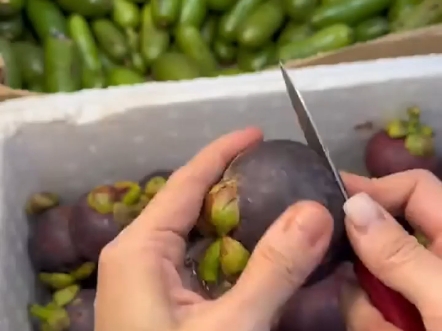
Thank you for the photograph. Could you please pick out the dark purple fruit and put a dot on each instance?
(101, 214)
(154, 181)
(257, 187)
(402, 145)
(81, 311)
(50, 246)
(314, 308)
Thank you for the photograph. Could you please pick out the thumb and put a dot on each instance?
(284, 257)
(391, 254)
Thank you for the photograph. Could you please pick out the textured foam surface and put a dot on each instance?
(68, 143)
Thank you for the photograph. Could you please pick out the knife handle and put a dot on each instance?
(392, 305)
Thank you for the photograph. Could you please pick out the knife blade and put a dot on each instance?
(391, 304)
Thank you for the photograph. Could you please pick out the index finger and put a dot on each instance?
(176, 207)
(417, 194)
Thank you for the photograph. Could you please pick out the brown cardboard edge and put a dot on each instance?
(417, 42)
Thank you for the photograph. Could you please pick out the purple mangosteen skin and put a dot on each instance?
(276, 174)
(315, 308)
(91, 230)
(385, 156)
(51, 248)
(81, 311)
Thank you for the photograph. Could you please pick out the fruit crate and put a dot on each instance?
(68, 143)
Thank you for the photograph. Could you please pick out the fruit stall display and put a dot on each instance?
(66, 238)
(68, 45)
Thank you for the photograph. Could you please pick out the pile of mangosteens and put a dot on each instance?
(66, 240)
(257, 186)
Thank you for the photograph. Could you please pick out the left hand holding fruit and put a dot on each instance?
(139, 288)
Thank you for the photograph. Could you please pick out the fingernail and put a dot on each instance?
(311, 221)
(362, 211)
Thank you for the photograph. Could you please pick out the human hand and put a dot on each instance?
(388, 251)
(139, 288)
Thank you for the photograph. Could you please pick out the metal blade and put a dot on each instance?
(308, 126)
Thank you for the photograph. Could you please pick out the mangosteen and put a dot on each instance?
(50, 246)
(40, 202)
(314, 308)
(256, 188)
(402, 145)
(154, 181)
(100, 215)
(71, 309)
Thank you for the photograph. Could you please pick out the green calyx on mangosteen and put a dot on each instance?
(40, 202)
(101, 214)
(418, 137)
(226, 256)
(256, 188)
(58, 280)
(154, 182)
(120, 199)
(50, 244)
(402, 145)
(84, 271)
(51, 317)
(72, 309)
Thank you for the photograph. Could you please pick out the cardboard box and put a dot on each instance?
(418, 42)
(67, 143)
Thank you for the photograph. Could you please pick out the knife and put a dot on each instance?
(392, 305)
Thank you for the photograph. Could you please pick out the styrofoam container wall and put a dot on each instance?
(69, 143)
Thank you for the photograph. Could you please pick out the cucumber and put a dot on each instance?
(325, 40)
(10, 71)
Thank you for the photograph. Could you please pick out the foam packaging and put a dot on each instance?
(67, 143)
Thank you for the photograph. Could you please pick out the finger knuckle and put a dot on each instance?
(423, 174)
(290, 271)
(398, 252)
(108, 255)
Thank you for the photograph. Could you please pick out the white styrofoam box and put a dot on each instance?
(68, 143)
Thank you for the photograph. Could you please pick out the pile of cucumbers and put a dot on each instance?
(67, 45)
